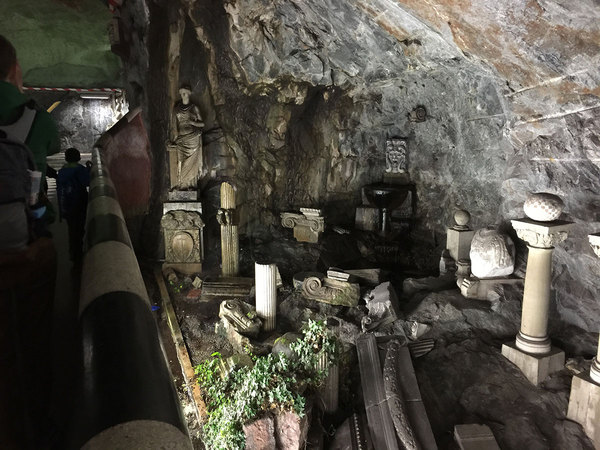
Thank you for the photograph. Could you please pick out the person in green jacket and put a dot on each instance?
(43, 138)
(27, 282)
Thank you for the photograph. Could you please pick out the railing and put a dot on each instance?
(127, 397)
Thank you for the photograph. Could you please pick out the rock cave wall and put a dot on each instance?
(299, 96)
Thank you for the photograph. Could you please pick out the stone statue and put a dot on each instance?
(187, 141)
(492, 254)
(395, 155)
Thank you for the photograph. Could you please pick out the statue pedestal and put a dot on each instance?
(584, 406)
(184, 240)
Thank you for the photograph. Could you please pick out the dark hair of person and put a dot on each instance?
(8, 57)
(72, 155)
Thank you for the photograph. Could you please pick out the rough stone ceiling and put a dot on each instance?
(548, 44)
(62, 43)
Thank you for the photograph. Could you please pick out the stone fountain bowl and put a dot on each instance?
(386, 196)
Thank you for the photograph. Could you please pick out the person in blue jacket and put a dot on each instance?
(72, 181)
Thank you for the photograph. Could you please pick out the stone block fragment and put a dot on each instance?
(241, 316)
(475, 437)
(291, 430)
(382, 303)
(260, 434)
(193, 294)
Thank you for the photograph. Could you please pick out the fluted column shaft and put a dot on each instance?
(230, 259)
(329, 391)
(266, 294)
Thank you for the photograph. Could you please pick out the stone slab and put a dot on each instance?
(475, 437)
(584, 406)
(381, 427)
(188, 196)
(227, 287)
(535, 367)
(370, 277)
(415, 408)
(185, 268)
(182, 206)
(458, 243)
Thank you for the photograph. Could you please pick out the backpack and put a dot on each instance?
(17, 169)
(16, 160)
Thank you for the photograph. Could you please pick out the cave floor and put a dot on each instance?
(464, 379)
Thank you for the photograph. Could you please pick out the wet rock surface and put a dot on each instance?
(299, 98)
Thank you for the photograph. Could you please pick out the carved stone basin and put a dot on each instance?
(386, 196)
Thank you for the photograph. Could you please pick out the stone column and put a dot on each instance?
(541, 237)
(329, 391)
(266, 294)
(595, 369)
(230, 258)
(532, 351)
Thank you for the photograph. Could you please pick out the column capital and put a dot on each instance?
(542, 234)
(595, 243)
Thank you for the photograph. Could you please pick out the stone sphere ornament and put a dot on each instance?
(492, 254)
(543, 207)
(461, 219)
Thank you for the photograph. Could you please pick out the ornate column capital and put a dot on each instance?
(542, 234)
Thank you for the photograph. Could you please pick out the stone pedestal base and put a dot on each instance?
(535, 367)
(584, 406)
(458, 243)
(185, 268)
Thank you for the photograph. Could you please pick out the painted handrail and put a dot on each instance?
(127, 397)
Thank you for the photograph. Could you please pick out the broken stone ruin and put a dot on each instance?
(416, 361)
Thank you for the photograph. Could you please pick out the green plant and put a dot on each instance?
(177, 286)
(275, 382)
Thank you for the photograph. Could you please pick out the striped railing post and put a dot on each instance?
(128, 399)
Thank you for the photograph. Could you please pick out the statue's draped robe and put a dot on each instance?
(189, 145)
